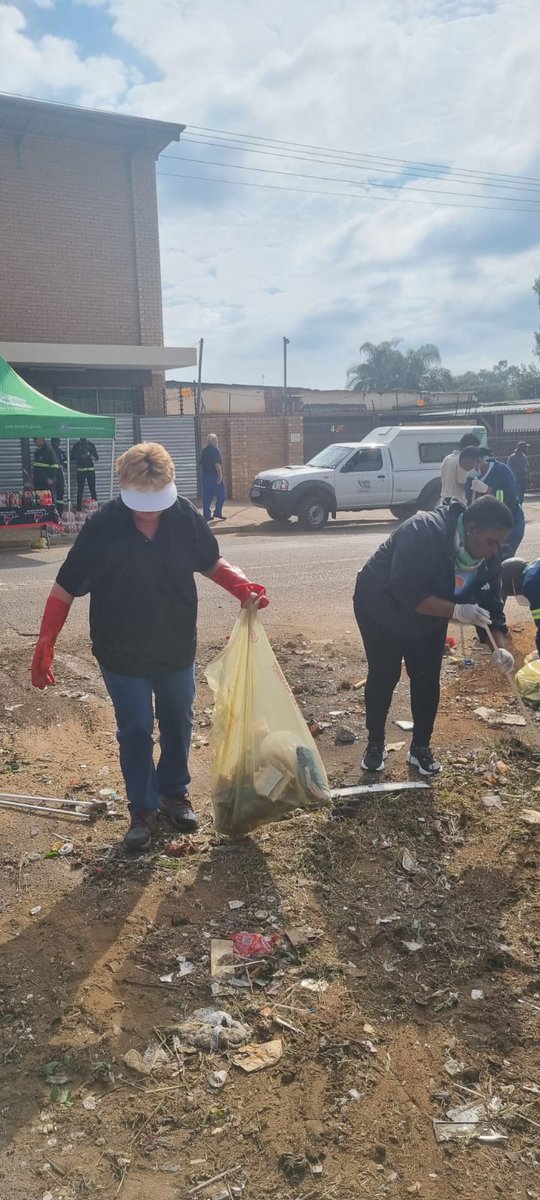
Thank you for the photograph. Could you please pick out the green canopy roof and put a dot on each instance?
(24, 412)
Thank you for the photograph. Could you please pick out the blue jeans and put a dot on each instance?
(133, 700)
(515, 537)
(210, 489)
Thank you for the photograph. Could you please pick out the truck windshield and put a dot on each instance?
(331, 456)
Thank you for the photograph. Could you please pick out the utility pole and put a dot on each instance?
(197, 406)
(285, 344)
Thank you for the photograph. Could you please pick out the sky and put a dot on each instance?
(447, 82)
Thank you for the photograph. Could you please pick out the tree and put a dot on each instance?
(381, 369)
(536, 288)
(386, 369)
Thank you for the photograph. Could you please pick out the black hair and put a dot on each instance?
(488, 513)
(469, 439)
(478, 451)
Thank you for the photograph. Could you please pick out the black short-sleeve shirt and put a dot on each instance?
(143, 598)
(210, 458)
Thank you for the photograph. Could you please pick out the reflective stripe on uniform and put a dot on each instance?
(47, 466)
(499, 495)
(87, 469)
(535, 612)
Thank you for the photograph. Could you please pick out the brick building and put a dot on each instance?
(81, 314)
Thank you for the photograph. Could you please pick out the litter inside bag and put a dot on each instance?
(266, 763)
(528, 681)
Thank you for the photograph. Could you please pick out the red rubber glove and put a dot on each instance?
(54, 618)
(235, 582)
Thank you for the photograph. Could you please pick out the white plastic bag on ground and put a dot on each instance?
(266, 763)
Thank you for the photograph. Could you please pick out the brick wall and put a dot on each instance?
(79, 237)
(252, 443)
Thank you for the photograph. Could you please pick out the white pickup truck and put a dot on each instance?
(396, 467)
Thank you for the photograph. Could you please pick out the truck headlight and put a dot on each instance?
(280, 485)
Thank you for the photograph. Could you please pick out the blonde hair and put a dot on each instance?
(148, 467)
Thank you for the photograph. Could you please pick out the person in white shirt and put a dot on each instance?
(452, 475)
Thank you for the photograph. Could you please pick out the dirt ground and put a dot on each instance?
(419, 933)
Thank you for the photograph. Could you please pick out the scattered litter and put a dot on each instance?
(336, 712)
(354, 1094)
(388, 920)
(492, 800)
(184, 968)
(66, 849)
(453, 1067)
(319, 986)
(221, 958)
(89, 1103)
(360, 684)
(412, 947)
(234, 904)
(469, 1114)
(495, 719)
(408, 861)
(135, 1061)
(477, 994)
(166, 978)
(181, 848)
(34, 912)
(391, 746)
(12, 707)
(300, 935)
(364, 789)
(212, 1029)
(345, 736)
(255, 1058)
(407, 725)
(494, 1139)
(253, 945)
(218, 1079)
(531, 816)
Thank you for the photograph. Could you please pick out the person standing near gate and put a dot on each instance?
(519, 466)
(61, 459)
(491, 477)
(85, 455)
(45, 469)
(213, 485)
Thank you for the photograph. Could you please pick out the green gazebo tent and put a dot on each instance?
(25, 412)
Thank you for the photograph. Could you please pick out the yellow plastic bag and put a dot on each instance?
(266, 763)
(528, 680)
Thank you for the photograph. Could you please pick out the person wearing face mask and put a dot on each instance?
(137, 558)
(436, 567)
(522, 580)
(489, 477)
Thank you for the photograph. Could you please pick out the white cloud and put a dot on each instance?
(55, 68)
(453, 81)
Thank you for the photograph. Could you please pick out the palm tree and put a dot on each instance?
(417, 365)
(381, 370)
(387, 369)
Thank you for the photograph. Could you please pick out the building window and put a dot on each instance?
(104, 401)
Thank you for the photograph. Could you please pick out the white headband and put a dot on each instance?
(150, 501)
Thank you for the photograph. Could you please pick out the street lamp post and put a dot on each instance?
(285, 344)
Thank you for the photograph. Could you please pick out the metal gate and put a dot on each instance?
(177, 434)
(11, 469)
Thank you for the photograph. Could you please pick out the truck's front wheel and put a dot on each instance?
(313, 513)
(274, 515)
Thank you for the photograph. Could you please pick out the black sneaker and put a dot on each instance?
(421, 757)
(374, 756)
(139, 834)
(179, 811)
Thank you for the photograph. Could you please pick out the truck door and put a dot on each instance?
(364, 480)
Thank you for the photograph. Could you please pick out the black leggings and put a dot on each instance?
(385, 652)
(82, 477)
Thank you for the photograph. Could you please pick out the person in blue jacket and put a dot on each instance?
(494, 478)
(522, 580)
